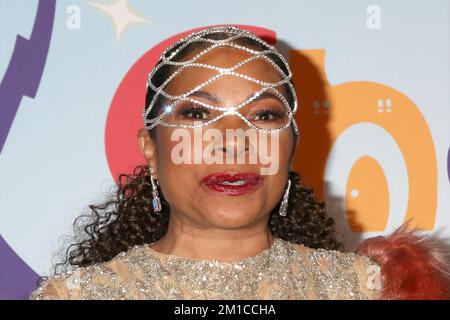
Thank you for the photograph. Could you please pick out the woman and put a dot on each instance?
(225, 219)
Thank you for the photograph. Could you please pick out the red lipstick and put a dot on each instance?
(233, 184)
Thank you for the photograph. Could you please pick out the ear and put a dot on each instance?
(148, 149)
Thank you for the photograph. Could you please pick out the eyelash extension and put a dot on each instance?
(193, 108)
(276, 114)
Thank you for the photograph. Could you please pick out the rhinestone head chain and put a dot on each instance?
(201, 36)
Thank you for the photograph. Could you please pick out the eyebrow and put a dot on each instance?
(214, 98)
(207, 95)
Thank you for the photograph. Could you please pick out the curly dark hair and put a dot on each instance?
(127, 218)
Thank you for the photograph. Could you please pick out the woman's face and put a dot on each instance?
(212, 195)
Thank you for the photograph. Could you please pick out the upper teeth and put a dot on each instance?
(234, 183)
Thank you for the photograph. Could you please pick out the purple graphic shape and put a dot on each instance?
(448, 164)
(22, 78)
(25, 68)
(17, 280)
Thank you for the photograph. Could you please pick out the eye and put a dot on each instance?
(194, 111)
(268, 115)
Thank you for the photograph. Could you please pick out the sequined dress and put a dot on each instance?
(283, 271)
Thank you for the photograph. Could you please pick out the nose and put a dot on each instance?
(237, 142)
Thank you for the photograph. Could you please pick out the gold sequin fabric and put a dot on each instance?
(283, 271)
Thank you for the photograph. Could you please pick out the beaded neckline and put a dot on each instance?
(266, 252)
(278, 272)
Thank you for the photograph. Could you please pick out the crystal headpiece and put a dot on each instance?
(168, 58)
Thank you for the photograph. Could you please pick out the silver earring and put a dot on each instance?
(284, 202)
(156, 202)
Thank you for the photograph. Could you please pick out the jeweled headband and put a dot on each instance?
(167, 59)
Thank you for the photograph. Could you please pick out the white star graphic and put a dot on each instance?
(120, 14)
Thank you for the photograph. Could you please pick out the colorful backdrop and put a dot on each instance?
(372, 77)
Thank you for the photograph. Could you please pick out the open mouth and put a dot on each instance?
(233, 184)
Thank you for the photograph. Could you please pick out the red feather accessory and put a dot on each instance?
(413, 266)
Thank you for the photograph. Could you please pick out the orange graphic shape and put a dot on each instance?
(326, 111)
(368, 196)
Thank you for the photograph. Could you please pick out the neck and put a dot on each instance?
(186, 240)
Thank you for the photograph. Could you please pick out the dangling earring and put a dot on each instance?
(156, 202)
(284, 202)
